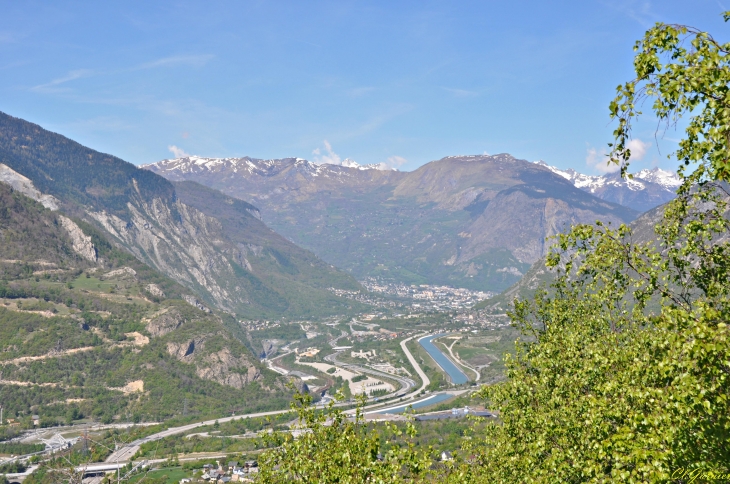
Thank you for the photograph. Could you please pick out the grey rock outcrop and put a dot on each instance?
(25, 186)
(80, 242)
(224, 368)
(185, 245)
(155, 290)
(165, 323)
(193, 301)
(121, 273)
(185, 351)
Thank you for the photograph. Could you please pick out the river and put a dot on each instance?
(455, 374)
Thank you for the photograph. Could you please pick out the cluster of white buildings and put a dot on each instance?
(428, 296)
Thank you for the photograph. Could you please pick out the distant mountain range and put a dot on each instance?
(469, 221)
(647, 189)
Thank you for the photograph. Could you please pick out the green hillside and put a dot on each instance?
(110, 338)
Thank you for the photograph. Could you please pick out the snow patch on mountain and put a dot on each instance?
(667, 179)
(199, 164)
(591, 183)
(350, 163)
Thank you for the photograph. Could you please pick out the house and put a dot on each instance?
(36, 420)
(185, 480)
(211, 475)
(446, 455)
(232, 465)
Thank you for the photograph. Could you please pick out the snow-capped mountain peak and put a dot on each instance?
(350, 163)
(665, 178)
(647, 189)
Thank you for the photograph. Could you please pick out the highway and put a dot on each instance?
(424, 379)
(125, 453)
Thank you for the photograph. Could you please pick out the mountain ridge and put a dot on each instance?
(439, 224)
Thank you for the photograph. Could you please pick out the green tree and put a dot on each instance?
(626, 377)
(333, 448)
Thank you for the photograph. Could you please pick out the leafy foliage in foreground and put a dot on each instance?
(332, 448)
(610, 390)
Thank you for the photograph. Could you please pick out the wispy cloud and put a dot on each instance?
(328, 156)
(598, 161)
(360, 91)
(56, 84)
(176, 60)
(178, 152)
(395, 161)
(460, 92)
(638, 149)
(375, 122)
(639, 11)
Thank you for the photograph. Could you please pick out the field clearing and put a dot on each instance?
(173, 475)
(94, 284)
(368, 385)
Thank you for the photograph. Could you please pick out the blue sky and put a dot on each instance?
(397, 82)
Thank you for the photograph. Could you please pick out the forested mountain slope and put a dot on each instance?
(143, 214)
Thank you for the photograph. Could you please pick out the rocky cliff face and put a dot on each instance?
(80, 302)
(224, 368)
(525, 218)
(81, 243)
(164, 322)
(194, 340)
(182, 243)
(221, 366)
